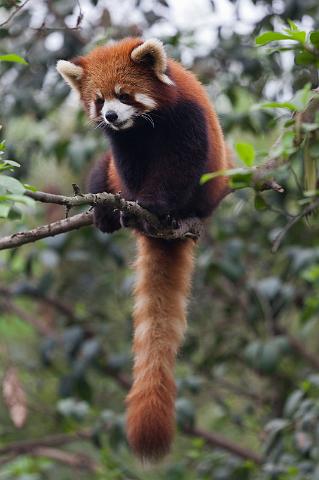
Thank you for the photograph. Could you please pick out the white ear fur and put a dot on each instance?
(153, 48)
(71, 73)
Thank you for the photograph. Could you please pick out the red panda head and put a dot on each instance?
(121, 82)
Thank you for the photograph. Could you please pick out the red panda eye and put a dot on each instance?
(99, 102)
(124, 97)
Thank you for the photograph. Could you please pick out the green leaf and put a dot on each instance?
(314, 38)
(241, 180)
(12, 185)
(12, 163)
(268, 37)
(17, 198)
(14, 213)
(288, 105)
(8, 164)
(246, 153)
(260, 203)
(293, 403)
(299, 36)
(302, 97)
(224, 173)
(305, 58)
(29, 187)
(292, 25)
(13, 57)
(4, 210)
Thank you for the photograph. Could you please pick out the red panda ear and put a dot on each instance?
(152, 53)
(72, 72)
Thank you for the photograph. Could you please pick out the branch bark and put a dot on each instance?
(44, 231)
(218, 441)
(139, 218)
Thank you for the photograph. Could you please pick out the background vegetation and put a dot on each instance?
(248, 379)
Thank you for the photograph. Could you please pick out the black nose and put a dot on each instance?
(111, 116)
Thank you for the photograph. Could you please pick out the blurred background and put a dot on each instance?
(247, 374)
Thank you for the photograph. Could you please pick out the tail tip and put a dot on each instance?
(150, 439)
(150, 447)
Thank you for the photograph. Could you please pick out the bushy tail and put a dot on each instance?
(163, 279)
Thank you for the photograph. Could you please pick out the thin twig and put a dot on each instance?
(8, 305)
(13, 14)
(44, 298)
(278, 240)
(79, 461)
(26, 446)
(44, 231)
(218, 441)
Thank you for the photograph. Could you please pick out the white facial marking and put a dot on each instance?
(124, 114)
(165, 79)
(145, 100)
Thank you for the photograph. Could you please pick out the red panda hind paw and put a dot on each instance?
(106, 220)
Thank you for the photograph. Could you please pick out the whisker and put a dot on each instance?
(148, 118)
(100, 124)
(92, 121)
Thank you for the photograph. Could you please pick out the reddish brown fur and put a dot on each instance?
(111, 65)
(162, 286)
(163, 268)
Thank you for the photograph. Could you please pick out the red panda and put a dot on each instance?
(164, 135)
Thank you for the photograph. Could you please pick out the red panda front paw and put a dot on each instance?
(105, 219)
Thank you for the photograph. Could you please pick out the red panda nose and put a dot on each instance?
(111, 116)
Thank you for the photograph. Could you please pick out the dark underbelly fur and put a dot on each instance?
(160, 166)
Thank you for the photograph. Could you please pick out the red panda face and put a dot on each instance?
(119, 110)
(121, 82)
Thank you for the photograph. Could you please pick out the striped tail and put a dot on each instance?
(163, 280)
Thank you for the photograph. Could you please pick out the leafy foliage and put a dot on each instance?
(248, 367)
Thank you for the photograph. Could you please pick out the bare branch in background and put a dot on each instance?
(218, 441)
(80, 461)
(8, 305)
(50, 447)
(13, 14)
(309, 209)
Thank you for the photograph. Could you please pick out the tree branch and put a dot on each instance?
(15, 11)
(28, 291)
(218, 441)
(7, 304)
(80, 461)
(26, 446)
(44, 231)
(139, 218)
(309, 209)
